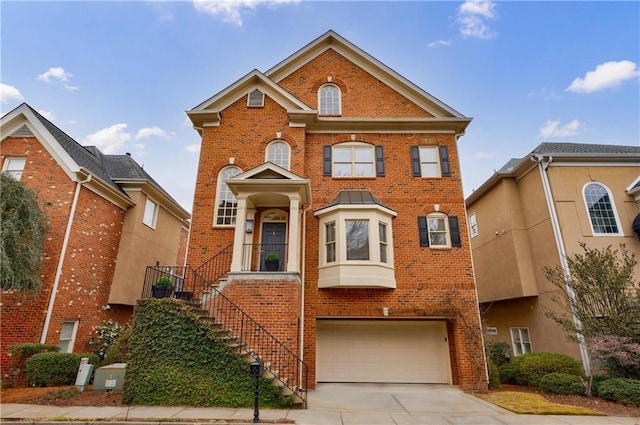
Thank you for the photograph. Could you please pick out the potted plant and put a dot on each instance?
(272, 262)
(163, 287)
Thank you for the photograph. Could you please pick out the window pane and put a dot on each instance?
(14, 167)
(364, 154)
(382, 230)
(357, 239)
(436, 224)
(342, 170)
(150, 213)
(329, 100)
(438, 239)
(364, 170)
(429, 154)
(429, 170)
(278, 153)
(342, 154)
(227, 203)
(600, 209)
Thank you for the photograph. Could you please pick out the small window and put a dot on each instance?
(14, 167)
(602, 213)
(330, 242)
(357, 232)
(439, 231)
(150, 213)
(227, 206)
(382, 231)
(278, 153)
(255, 99)
(68, 336)
(329, 100)
(430, 161)
(521, 341)
(473, 224)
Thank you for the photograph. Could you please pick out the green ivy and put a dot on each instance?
(178, 360)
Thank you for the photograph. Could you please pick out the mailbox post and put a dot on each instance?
(256, 371)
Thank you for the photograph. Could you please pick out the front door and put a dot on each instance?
(273, 247)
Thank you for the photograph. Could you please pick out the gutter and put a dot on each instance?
(303, 269)
(555, 224)
(63, 252)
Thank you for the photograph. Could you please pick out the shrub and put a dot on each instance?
(509, 373)
(105, 335)
(494, 374)
(48, 369)
(621, 390)
(533, 366)
(497, 351)
(562, 383)
(20, 354)
(120, 350)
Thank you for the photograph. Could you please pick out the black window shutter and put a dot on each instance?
(415, 162)
(379, 161)
(423, 231)
(444, 161)
(326, 161)
(454, 229)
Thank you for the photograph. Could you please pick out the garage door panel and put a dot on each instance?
(382, 351)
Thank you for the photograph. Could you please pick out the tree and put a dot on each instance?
(22, 228)
(603, 296)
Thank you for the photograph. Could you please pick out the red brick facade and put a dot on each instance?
(430, 283)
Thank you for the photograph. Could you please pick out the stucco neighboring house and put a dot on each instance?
(534, 212)
(108, 219)
(347, 175)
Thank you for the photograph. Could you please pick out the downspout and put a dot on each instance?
(302, 279)
(63, 251)
(555, 224)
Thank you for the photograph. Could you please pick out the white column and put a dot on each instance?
(294, 235)
(238, 238)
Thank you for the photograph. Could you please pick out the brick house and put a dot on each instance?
(346, 175)
(108, 219)
(534, 212)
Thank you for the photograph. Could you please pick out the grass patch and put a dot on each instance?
(62, 394)
(534, 404)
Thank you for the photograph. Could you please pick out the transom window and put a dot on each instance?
(150, 213)
(353, 160)
(278, 153)
(14, 167)
(521, 341)
(227, 204)
(329, 100)
(601, 210)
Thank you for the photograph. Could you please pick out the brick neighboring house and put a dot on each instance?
(108, 219)
(349, 174)
(534, 212)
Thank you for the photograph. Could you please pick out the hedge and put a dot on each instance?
(562, 383)
(494, 374)
(533, 366)
(621, 390)
(48, 369)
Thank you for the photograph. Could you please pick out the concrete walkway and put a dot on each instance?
(329, 404)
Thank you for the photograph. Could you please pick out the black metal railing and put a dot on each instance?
(264, 257)
(217, 266)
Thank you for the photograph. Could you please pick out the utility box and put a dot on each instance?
(84, 374)
(110, 377)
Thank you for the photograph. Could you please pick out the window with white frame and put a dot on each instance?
(357, 238)
(473, 224)
(278, 153)
(429, 165)
(14, 166)
(353, 160)
(150, 217)
(601, 209)
(330, 242)
(382, 231)
(227, 204)
(68, 336)
(329, 102)
(255, 99)
(437, 230)
(521, 341)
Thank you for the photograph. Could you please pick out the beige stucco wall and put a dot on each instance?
(142, 246)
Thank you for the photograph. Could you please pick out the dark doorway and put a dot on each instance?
(272, 255)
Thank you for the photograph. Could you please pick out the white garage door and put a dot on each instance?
(382, 351)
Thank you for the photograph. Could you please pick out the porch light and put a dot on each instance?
(248, 226)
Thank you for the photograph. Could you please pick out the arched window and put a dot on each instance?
(601, 209)
(278, 153)
(329, 100)
(226, 203)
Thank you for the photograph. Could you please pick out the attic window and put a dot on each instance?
(256, 99)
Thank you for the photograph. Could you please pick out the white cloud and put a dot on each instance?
(606, 75)
(231, 11)
(146, 132)
(554, 129)
(439, 43)
(109, 140)
(9, 93)
(193, 148)
(58, 75)
(483, 155)
(472, 15)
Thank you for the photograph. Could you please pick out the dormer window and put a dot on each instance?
(329, 102)
(255, 99)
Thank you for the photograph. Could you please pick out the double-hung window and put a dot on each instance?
(601, 209)
(438, 230)
(353, 159)
(430, 161)
(330, 242)
(227, 204)
(68, 336)
(382, 232)
(14, 166)
(150, 217)
(521, 341)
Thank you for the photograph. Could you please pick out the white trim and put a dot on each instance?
(320, 90)
(274, 142)
(521, 342)
(613, 206)
(154, 219)
(219, 183)
(353, 146)
(436, 149)
(71, 340)
(13, 171)
(447, 233)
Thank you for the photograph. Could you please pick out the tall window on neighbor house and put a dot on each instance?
(330, 242)
(329, 100)
(14, 167)
(150, 213)
(67, 336)
(357, 239)
(601, 209)
(382, 234)
(520, 340)
(278, 153)
(227, 204)
(473, 224)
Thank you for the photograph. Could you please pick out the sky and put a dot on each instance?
(121, 74)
